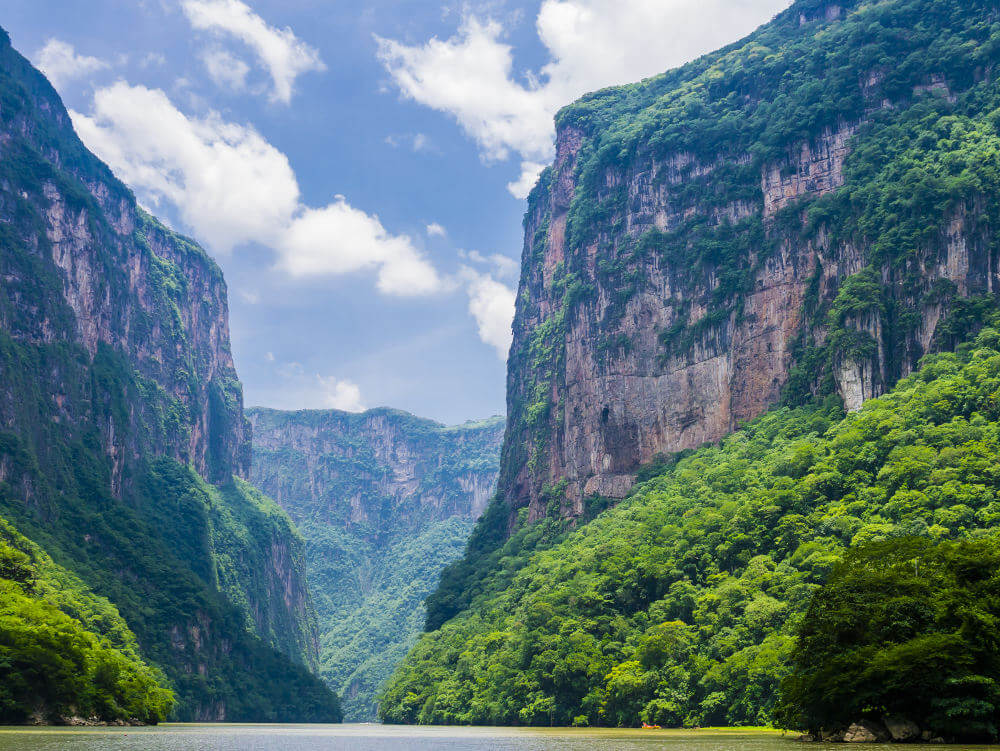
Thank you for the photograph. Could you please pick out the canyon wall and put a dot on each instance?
(123, 442)
(384, 500)
(684, 255)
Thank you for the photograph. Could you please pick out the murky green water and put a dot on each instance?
(389, 738)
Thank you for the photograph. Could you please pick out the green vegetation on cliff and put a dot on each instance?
(165, 556)
(680, 606)
(118, 404)
(65, 651)
(369, 601)
(669, 206)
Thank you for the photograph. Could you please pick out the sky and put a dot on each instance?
(358, 168)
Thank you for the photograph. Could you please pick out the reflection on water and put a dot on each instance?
(391, 738)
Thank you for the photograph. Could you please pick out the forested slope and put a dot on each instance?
(680, 605)
(792, 215)
(803, 214)
(787, 227)
(64, 651)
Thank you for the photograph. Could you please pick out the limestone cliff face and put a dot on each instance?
(672, 283)
(373, 473)
(125, 282)
(122, 434)
(385, 501)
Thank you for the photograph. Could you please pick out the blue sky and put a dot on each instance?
(358, 169)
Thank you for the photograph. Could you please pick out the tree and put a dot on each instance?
(903, 628)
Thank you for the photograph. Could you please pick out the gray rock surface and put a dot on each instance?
(866, 731)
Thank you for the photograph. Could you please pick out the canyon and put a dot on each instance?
(384, 501)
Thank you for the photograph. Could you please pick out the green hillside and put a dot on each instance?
(899, 253)
(384, 500)
(679, 606)
(65, 651)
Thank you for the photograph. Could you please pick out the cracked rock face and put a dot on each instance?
(130, 286)
(596, 386)
(374, 472)
(620, 407)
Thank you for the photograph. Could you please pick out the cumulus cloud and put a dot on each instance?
(471, 77)
(591, 44)
(521, 187)
(61, 64)
(230, 187)
(491, 304)
(228, 183)
(283, 54)
(337, 394)
(436, 230)
(304, 390)
(339, 239)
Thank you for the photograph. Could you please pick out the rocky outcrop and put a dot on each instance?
(668, 292)
(817, 169)
(866, 731)
(901, 729)
(124, 282)
(384, 500)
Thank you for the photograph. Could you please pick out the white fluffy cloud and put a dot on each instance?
(436, 230)
(230, 186)
(339, 239)
(591, 44)
(60, 63)
(491, 304)
(228, 183)
(471, 77)
(283, 54)
(302, 389)
(337, 394)
(521, 187)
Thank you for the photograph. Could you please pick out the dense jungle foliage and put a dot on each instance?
(64, 651)
(908, 80)
(369, 601)
(903, 628)
(164, 558)
(680, 606)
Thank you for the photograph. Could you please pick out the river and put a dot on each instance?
(183, 737)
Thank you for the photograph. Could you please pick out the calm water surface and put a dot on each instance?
(181, 737)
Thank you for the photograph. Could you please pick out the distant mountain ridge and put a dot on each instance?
(384, 500)
(123, 444)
